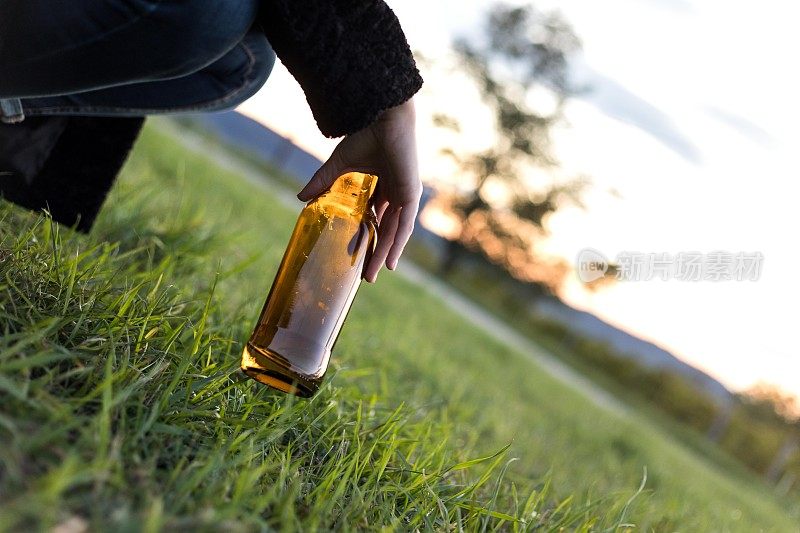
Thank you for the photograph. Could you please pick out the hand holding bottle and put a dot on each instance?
(387, 148)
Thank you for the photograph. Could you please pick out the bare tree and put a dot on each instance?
(524, 50)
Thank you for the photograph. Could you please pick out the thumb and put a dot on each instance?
(322, 179)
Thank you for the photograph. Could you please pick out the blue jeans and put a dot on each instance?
(129, 57)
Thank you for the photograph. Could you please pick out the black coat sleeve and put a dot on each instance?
(350, 57)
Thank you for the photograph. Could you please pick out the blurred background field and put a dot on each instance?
(123, 406)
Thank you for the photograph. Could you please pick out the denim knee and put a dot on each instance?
(250, 74)
(188, 36)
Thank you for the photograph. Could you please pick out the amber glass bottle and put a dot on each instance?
(314, 288)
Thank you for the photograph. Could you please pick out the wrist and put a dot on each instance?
(405, 111)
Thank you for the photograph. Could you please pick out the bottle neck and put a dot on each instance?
(350, 191)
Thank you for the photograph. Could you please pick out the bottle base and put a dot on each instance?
(264, 367)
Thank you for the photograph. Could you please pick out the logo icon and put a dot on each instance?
(591, 265)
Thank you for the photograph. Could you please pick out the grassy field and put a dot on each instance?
(123, 407)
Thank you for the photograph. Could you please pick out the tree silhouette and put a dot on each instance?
(523, 51)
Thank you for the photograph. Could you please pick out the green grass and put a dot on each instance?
(122, 406)
(601, 364)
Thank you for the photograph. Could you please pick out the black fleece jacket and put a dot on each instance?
(350, 57)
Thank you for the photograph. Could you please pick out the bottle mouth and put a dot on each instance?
(356, 184)
(350, 191)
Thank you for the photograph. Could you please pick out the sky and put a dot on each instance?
(690, 115)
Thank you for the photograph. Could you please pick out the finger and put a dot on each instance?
(405, 228)
(380, 209)
(386, 233)
(323, 178)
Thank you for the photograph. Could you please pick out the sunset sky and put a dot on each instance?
(692, 117)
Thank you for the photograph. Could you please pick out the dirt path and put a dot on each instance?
(458, 303)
